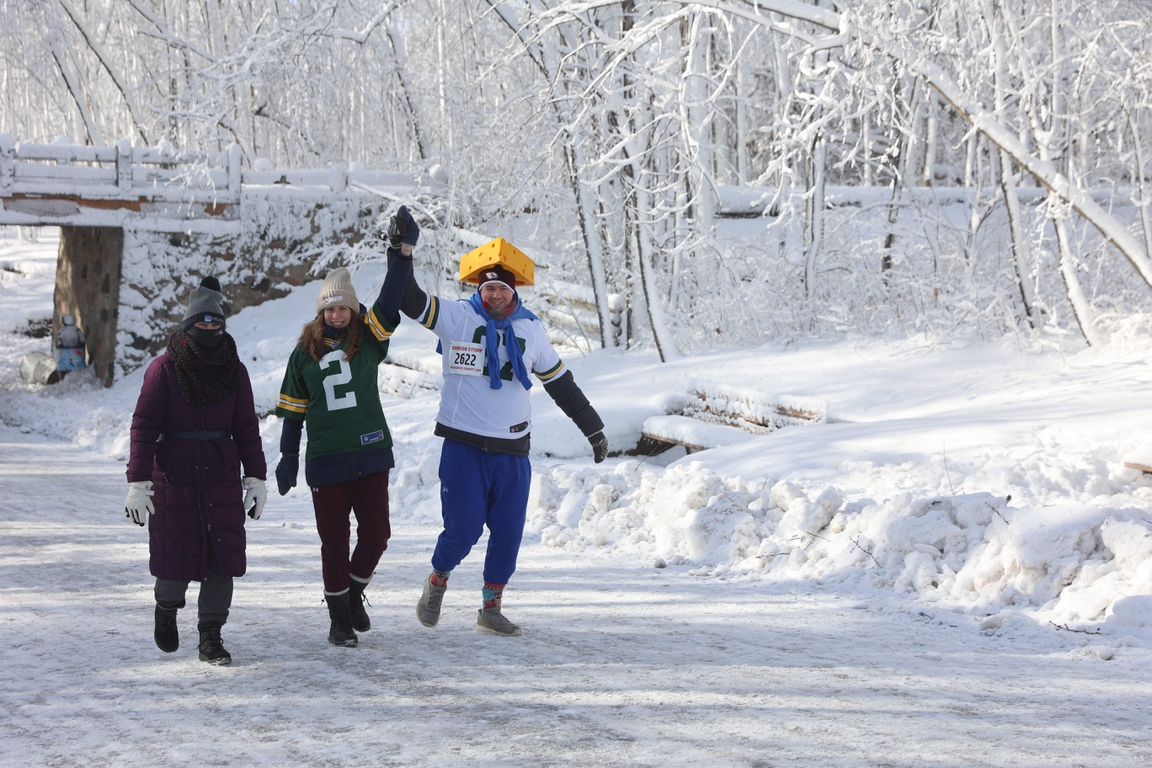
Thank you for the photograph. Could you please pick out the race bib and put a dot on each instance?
(466, 359)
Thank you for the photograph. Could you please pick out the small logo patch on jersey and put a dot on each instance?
(518, 427)
(372, 437)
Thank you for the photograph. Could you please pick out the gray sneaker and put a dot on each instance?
(494, 622)
(428, 609)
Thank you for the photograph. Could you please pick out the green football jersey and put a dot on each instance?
(339, 399)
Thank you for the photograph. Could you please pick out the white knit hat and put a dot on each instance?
(337, 291)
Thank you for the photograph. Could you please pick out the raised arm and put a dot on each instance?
(400, 291)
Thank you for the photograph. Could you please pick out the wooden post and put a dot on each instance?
(7, 160)
(339, 178)
(234, 155)
(124, 165)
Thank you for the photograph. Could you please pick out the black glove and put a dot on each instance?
(286, 472)
(599, 446)
(402, 229)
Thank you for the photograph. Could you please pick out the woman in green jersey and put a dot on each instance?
(330, 386)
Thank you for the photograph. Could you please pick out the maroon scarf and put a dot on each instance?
(205, 377)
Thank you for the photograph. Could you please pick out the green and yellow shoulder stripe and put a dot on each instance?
(293, 404)
(431, 313)
(552, 372)
(380, 327)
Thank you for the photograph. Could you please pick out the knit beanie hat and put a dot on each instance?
(337, 291)
(206, 304)
(496, 274)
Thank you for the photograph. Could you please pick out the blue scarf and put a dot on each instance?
(492, 340)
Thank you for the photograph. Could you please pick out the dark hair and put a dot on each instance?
(312, 337)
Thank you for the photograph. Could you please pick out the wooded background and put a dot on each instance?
(923, 168)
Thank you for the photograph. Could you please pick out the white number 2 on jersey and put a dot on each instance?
(331, 381)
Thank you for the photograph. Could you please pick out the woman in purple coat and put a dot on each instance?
(194, 425)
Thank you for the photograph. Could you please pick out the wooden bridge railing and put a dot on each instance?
(164, 174)
(119, 172)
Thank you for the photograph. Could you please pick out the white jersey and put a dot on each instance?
(467, 401)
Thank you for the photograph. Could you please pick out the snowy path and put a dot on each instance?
(621, 664)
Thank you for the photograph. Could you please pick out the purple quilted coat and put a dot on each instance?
(198, 493)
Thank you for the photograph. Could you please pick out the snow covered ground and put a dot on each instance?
(862, 592)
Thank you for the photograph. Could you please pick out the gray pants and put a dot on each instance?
(215, 593)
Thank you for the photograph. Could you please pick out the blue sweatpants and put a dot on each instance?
(478, 489)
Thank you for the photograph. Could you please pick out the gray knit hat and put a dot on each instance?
(337, 291)
(206, 304)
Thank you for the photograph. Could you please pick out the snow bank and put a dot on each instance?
(973, 552)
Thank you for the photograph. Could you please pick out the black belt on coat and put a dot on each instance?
(218, 434)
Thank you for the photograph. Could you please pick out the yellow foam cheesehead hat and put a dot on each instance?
(498, 251)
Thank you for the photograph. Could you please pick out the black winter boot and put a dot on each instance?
(211, 648)
(340, 611)
(360, 620)
(166, 635)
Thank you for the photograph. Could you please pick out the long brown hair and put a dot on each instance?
(312, 337)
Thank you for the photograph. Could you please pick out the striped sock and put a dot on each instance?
(493, 594)
(439, 578)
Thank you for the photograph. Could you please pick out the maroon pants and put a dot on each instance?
(368, 498)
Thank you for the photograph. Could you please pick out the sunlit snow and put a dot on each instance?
(955, 569)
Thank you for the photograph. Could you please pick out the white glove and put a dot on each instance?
(255, 494)
(138, 505)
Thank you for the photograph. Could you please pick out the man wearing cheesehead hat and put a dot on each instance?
(490, 343)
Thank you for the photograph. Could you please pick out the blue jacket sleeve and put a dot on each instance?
(392, 292)
(291, 430)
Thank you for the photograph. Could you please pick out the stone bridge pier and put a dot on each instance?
(88, 286)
